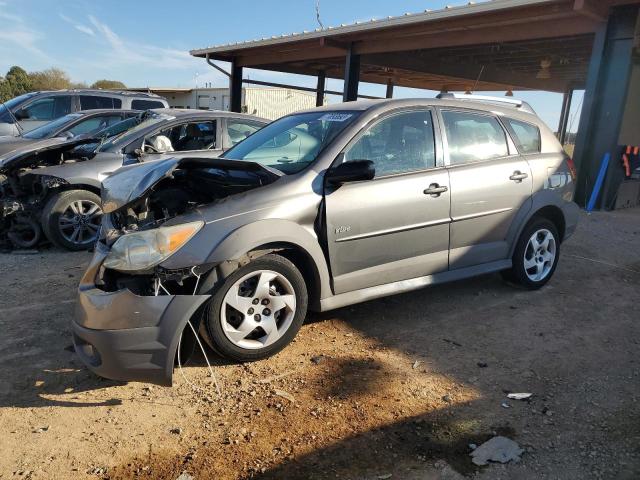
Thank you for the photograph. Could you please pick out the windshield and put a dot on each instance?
(118, 128)
(127, 135)
(292, 143)
(5, 115)
(49, 129)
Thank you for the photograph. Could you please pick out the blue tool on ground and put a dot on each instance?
(599, 181)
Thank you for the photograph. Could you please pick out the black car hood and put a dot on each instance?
(23, 155)
(134, 182)
(9, 144)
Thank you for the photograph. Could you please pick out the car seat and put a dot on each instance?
(193, 139)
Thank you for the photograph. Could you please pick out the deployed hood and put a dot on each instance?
(132, 183)
(28, 154)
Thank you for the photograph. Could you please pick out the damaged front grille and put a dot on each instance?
(185, 281)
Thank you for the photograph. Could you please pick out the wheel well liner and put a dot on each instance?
(302, 260)
(555, 215)
(80, 186)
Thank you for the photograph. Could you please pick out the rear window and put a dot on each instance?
(146, 104)
(526, 136)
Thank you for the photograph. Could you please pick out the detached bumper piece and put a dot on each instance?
(144, 353)
(123, 336)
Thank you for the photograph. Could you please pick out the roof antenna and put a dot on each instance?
(478, 79)
(318, 14)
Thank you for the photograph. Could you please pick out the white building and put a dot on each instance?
(268, 103)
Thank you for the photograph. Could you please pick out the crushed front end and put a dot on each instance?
(25, 188)
(132, 309)
(22, 197)
(127, 327)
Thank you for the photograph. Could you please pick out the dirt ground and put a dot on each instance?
(391, 389)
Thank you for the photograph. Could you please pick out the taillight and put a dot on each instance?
(572, 168)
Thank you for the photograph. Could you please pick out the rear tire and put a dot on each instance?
(71, 219)
(257, 311)
(536, 255)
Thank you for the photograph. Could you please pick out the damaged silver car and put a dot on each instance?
(53, 189)
(318, 210)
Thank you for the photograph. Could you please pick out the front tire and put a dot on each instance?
(536, 255)
(258, 309)
(71, 219)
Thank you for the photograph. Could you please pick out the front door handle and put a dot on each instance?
(518, 176)
(435, 190)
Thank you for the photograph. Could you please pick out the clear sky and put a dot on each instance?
(146, 43)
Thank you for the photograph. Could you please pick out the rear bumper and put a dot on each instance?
(571, 212)
(123, 336)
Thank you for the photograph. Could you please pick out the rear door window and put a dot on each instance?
(473, 137)
(526, 136)
(93, 102)
(146, 104)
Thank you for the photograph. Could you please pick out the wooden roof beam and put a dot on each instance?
(466, 71)
(576, 25)
(592, 9)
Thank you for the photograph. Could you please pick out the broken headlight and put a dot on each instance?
(143, 250)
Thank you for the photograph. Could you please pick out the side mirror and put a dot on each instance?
(352, 171)
(134, 149)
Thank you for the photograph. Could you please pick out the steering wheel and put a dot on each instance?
(146, 147)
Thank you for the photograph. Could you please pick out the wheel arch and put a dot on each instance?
(79, 186)
(284, 237)
(553, 214)
(303, 262)
(546, 205)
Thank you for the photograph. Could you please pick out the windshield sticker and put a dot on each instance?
(336, 117)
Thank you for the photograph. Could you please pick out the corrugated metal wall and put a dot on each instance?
(274, 103)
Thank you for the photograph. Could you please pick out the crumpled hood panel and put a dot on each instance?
(17, 158)
(133, 182)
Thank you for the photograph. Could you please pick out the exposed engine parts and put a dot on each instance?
(24, 193)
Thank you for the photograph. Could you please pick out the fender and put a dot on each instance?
(89, 172)
(541, 199)
(273, 231)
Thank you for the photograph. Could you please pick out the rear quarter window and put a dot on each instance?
(93, 102)
(146, 104)
(526, 136)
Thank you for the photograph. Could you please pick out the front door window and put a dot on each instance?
(401, 143)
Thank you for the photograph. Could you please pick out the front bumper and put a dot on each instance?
(123, 336)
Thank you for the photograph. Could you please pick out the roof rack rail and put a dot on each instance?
(520, 104)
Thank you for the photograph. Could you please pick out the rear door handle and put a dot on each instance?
(435, 190)
(518, 176)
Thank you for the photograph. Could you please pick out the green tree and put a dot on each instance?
(50, 79)
(16, 82)
(4, 90)
(108, 84)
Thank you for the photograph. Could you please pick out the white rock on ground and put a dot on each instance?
(498, 449)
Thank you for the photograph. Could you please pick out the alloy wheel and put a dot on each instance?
(80, 222)
(258, 309)
(540, 255)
